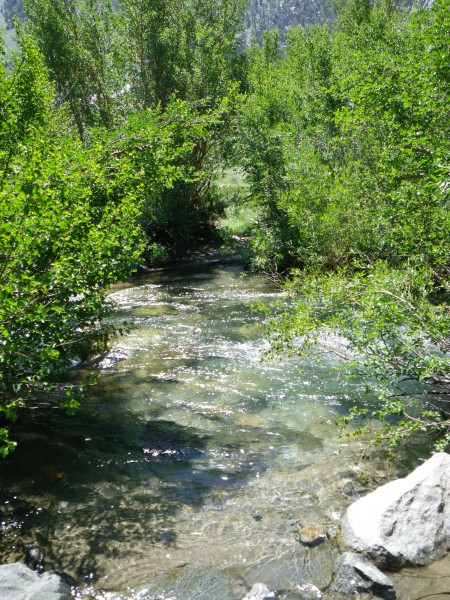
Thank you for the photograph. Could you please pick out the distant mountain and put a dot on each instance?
(282, 14)
(9, 35)
(11, 9)
(260, 15)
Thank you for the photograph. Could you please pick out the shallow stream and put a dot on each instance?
(192, 464)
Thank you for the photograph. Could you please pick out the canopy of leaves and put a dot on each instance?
(345, 138)
(110, 60)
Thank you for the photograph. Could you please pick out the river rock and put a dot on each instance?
(18, 582)
(405, 522)
(296, 565)
(354, 574)
(313, 534)
(260, 591)
(34, 556)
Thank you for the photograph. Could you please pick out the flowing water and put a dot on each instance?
(192, 464)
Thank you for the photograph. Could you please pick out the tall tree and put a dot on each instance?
(78, 40)
(137, 55)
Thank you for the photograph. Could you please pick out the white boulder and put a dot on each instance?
(18, 582)
(405, 522)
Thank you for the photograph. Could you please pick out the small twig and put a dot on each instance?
(408, 304)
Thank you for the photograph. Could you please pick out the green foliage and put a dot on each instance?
(392, 335)
(70, 224)
(187, 48)
(345, 144)
(25, 103)
(177, 215)
(80, 42)
(111, 62)
(108, 61)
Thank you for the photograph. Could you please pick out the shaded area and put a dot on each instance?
(114, 476)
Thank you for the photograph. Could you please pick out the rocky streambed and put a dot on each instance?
(193, 470)
(405, 523)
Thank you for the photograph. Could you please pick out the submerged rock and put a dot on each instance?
(305, 591)
(260, 591)
(18, 582)
(405, 522)
(313, 534)
(354, 574)
(185, 582)
(314, 565)
(34, 556)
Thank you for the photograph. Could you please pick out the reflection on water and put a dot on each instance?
(192, 464)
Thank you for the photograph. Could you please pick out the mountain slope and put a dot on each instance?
(9, 37)
(282, 14)
(9, 10)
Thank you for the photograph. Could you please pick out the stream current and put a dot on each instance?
(192, 464)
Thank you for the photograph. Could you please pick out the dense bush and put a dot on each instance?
(71, 216)
(345, 137)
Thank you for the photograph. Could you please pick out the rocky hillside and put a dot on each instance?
(8, 35)
(282, 14)
(10, 9)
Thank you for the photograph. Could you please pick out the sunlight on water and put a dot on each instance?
(192, 464)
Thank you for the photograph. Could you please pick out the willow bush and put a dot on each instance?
(345, 138)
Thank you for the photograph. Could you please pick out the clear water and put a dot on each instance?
(192, 464)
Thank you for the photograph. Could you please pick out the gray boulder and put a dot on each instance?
(405, 522)
(354, 575)
(18, 582)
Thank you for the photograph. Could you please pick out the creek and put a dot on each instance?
(192, 464)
